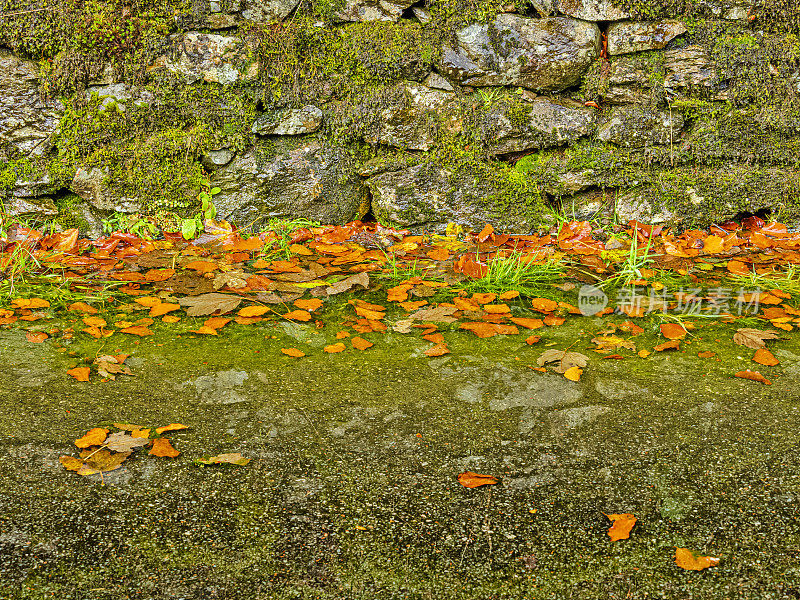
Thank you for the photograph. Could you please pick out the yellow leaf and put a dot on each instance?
(686, 559)
(573, 373)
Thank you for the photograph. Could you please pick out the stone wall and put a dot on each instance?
(415, 113)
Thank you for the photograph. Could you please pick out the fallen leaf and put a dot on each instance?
(235, 280)
(294, 352)
(472, 480)
(201, 266)
(310, 304)
(495, 309)
(532, 339)
(643, 353)
(80, 373)
(122, 442)
(162, 309)
(360, 343)
(209, 304)
(668, 345)
(162, 447)
(673, 331)
(485, 233)
(765, 357)
(82, 307)
(543, 305)
(171, 427)
(298, 315)
(438, 350)
(205, 330)
(93, 437)
(36, 337)
(566, 360)
(528, 323)
(334, 348)
(573, 373)
(232, 458)
(30, 303)
(706, 354)
(753, 376)
(140, 433)
(344, 285)
(509, 295)
(139, 330)
(686, 559)
(754, 338)
(484, 298)
(621, 525)
(101, 461)
(216, 322)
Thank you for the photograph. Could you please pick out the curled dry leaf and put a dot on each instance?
(565, 360)
(754, 338)
(753, 376)
(621, 525)
(686, 559)
(232, 458)
(472, 480)
(101, 461)
(93, 437)
(162, 447)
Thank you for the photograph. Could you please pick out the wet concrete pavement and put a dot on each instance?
(352, 490)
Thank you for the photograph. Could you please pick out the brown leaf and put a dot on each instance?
(93, 437)
(621, 525)
(208, 304)
(472, 480)
(293, 352)
(344, 285)
(122, 442)
(232, 458)
(565, 360)
(765, 357)
(754, 338)
(753, 376)
(686, 559)
(162, 447)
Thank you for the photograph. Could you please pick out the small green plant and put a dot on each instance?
(516, 272)
(631, 266)
(192, 226)
(787, 281)
(284, 229)
(135, 223)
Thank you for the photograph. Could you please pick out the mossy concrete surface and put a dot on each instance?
(352, 489)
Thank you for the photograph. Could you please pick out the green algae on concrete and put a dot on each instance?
(352, 490)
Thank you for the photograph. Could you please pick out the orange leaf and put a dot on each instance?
(30, 303)
(712, 245)
(738, 268)
(496, 309)
(334, 348)
(300, 249)
(673, 331)
(310, 304)
(140, 433)
(669, 345)
(216, 322)
(438, 253)
(163, 447)
(485, 233)
(481, 329)
(437, 350)
(205, 330)
(148, 301)
(170, 319)
(201, 266)
(360, 343)
(298, 315)
(83, 307)
(93, 437)
(36, 337)
(753, 376)
(340, 335)
(765, 357)
(484, 298)
(372, 315)
(170, 427)
(398, 293)
(527, 322)
(686, 559)
(509, 295)
(80, 373)
(472, 480)
(543, 305)
(532, 339)
(294, 352)
(553, 321)
(436, 338)
(643, 354)
(253, 311)
(139, 330)
(573, 373)
(159, 274)
(163, 308)
(621, 525)
(95, 321)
